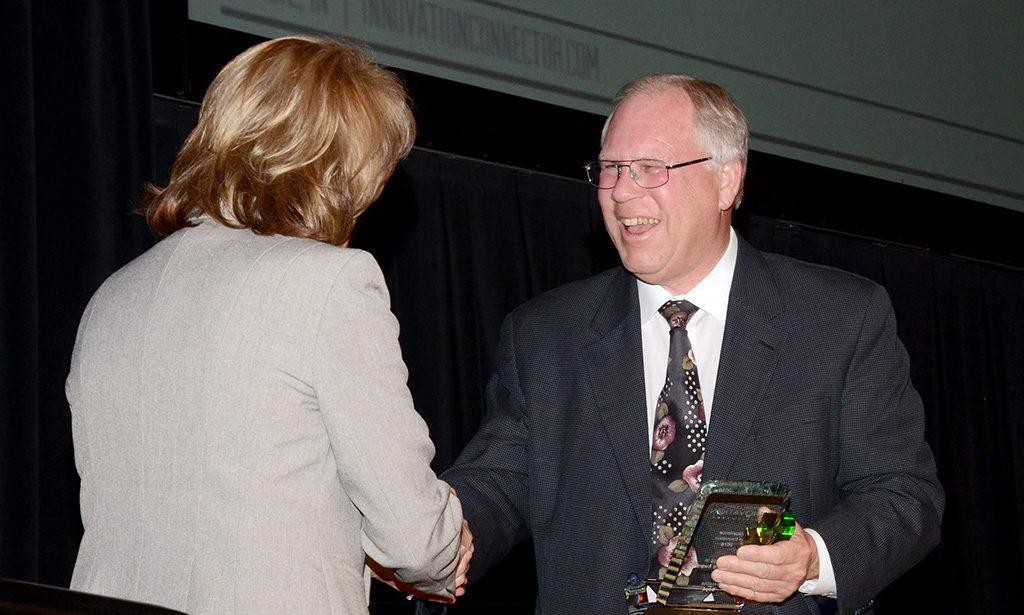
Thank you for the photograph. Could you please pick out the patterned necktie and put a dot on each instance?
(677, 452)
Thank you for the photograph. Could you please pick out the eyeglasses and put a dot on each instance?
(646, 172)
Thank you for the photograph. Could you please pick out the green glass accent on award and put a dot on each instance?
(771, 527)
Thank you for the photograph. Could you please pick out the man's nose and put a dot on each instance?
(625, 187)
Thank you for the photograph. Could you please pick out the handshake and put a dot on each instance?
(387, 576)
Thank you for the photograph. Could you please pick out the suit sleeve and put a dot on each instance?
(79, 428)
(411, 523)
(889, 513)
(491, 474)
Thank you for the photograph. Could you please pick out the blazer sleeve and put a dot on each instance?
(411, 522)
(79, 428)
(491, 475)
(889, 512)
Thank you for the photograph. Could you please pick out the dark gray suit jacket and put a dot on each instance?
(813, 391)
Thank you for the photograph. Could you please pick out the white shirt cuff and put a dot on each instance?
(825, 584)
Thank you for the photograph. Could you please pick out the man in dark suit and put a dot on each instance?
(802, 380)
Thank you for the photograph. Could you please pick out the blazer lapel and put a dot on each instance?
(748, 360)
(615, 362)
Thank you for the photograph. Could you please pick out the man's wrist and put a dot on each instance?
(814, 566)
(824, 584)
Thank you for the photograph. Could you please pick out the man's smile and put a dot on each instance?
(638, 224)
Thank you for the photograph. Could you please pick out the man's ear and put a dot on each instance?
(730, 176)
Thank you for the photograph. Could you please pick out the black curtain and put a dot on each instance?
(77, 147)
(461, 243)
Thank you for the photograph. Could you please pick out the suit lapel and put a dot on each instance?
(749, 357)
(748, 361)
(615, 362)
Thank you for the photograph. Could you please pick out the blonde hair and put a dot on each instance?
(720, 128)
(296, 136)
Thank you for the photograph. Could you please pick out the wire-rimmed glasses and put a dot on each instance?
(646, 172)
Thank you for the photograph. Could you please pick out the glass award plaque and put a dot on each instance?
(724, 515)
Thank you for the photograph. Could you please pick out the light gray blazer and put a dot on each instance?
(244, 432)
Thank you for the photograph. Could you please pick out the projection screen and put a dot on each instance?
(923, 93)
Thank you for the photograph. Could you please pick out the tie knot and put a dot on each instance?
(677, 313)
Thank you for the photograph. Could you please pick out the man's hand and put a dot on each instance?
(769, 573)
(465, 555)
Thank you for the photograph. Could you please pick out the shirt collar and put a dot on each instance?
(710, 294)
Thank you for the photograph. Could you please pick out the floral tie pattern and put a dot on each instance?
(677, 451)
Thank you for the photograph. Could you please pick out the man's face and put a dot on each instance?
(672, 235)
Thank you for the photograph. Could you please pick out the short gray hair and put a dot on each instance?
(720, 128)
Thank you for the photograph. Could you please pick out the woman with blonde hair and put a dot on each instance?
(242, 426)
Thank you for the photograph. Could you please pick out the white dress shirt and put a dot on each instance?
(705, 329)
